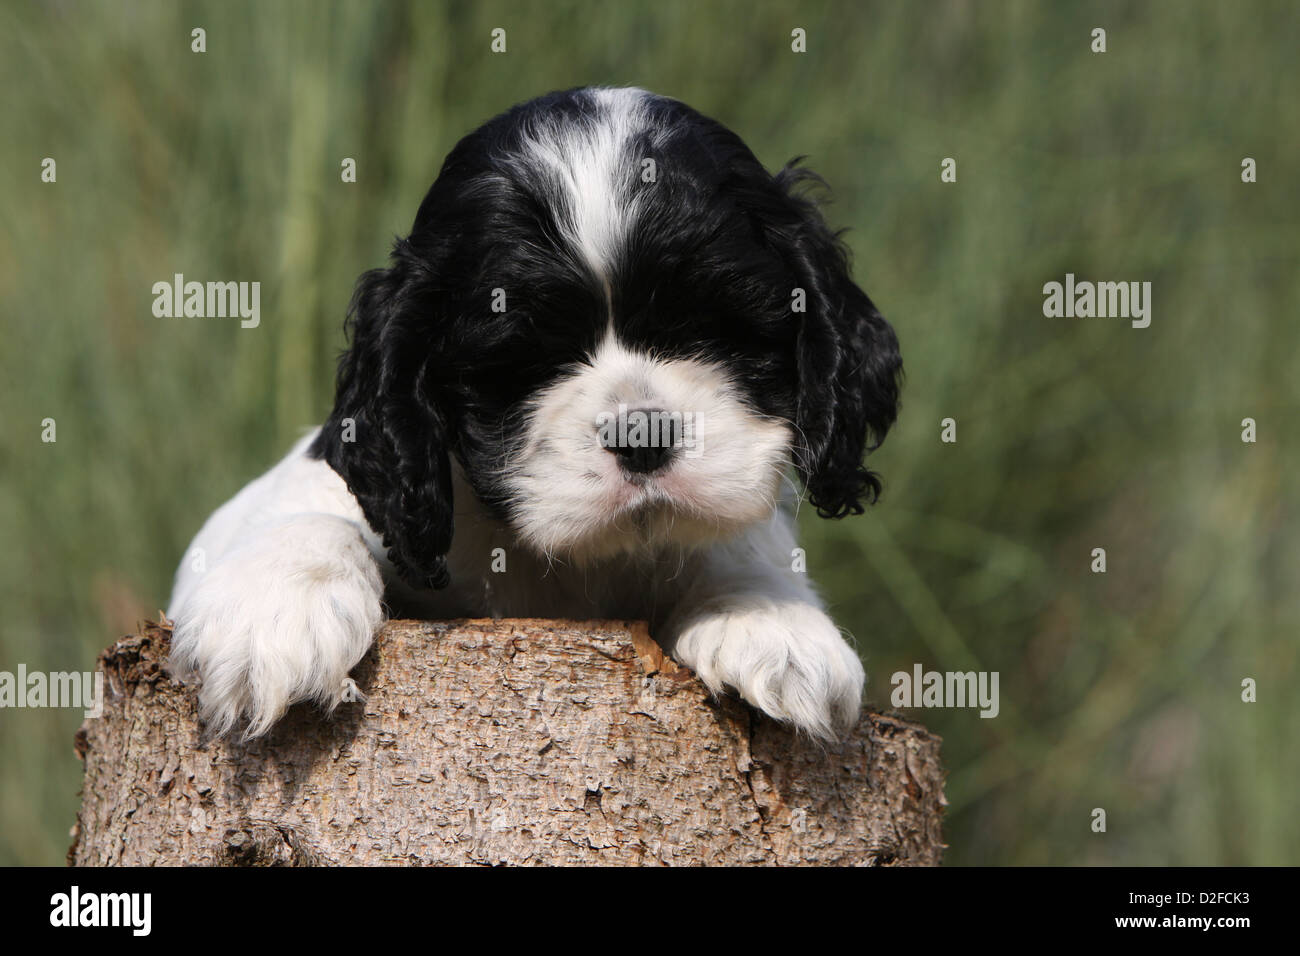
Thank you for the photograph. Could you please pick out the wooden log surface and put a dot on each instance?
(497, 742)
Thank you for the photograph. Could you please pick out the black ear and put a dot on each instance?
(387, 436)
(849, 364)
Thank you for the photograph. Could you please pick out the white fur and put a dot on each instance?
(574, 501)
(592, 171)
(749, 623)
(278, 597)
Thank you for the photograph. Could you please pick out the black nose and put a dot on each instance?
(642, 461)
(647, 443)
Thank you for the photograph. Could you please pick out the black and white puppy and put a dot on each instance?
(579, 390)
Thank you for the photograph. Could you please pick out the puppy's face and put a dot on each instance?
(634, 449)
(622, 328)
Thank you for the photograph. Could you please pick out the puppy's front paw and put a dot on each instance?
(281, 619)
(787, 659)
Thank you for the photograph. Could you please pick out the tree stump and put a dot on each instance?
(485, 742)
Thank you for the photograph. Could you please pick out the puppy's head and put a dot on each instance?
(624, 330)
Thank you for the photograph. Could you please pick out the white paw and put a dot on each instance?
(786, 658)
(280, 619)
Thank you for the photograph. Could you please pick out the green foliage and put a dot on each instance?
(1119, 690)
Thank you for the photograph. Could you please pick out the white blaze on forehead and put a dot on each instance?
(588, 159)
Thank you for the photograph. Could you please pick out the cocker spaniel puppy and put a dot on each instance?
(580, 389)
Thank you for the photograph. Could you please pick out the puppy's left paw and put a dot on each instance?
(787, 659)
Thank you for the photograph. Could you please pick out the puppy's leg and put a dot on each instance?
(278, 600)
(752, 624)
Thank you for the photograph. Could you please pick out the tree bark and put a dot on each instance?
(485, 742)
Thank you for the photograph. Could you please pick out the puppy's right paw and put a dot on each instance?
(281, 619)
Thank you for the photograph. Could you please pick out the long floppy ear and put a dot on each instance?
(387, 436)
(849, 364)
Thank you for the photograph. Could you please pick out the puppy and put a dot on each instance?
(580, 389)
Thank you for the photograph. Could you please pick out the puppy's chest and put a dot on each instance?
(529, 589)
(558, 591)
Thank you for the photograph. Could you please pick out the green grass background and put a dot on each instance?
(1119, 691)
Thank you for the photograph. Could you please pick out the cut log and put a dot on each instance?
(497, 742)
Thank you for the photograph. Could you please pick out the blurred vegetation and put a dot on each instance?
(1119, 690)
